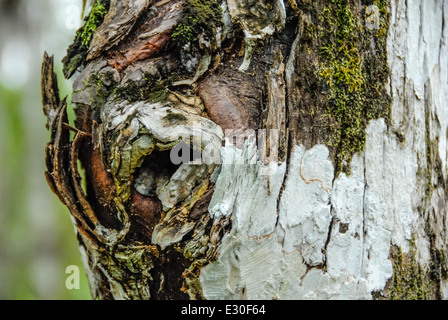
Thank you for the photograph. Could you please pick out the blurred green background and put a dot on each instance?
(37, 239)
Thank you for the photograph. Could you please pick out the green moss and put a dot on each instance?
(77, 52)
(440, 264)
(153, 91)
(175, 118)
(383, 5)
(198, 17)
(410, 281)
(98, 89)
(354, 74)
(94, 19)
(309, 31)
(75, 62)
(184, 32)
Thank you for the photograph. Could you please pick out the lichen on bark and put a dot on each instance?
(342, 85)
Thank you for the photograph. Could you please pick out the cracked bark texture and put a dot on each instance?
(355, 205)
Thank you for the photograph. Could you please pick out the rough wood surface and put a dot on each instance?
(351, 206)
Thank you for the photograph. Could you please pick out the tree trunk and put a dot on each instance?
(256, 149)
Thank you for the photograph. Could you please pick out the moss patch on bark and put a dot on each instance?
(198, 17)
(353, 61)
(341, 74)
(77, 52)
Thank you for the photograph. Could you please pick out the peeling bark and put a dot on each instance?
(187, 194)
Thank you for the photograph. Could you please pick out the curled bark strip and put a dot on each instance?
(62, 166)
(87, 209)
(54, 156)
(58, 151)
(50, 90)
(58, 158)
(103, 184)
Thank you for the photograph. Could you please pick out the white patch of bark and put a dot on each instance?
(279, 236)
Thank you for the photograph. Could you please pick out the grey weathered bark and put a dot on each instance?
(347, 199)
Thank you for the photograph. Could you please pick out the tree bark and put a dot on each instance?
(256, 149)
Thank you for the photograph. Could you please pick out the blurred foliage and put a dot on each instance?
(9, 6)
(37, 238)
(19, 255)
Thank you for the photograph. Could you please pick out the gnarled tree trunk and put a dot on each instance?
(256, 149)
